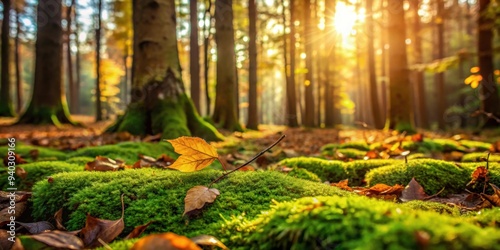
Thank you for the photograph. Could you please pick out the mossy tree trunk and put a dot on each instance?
(159, 103)
(6, 108)
(400, 114)
(226, 104)
(48, 102)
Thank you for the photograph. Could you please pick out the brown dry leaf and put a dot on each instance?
(372, 154)
(18, 211)
(413, 191)
(196, 154)
(453, 156)
(59, 218)
(197, 197)
(5, 243)
(21, 172)
(471, 200)
(34, 153)
(37, 227)
(343, 184)
(57, 240)
(102, 163)
(106, 230)
(165, 241)
(495, 147)
(417, 137)
(208, 240)
(137, 231)
(479, 175)
(494, 199)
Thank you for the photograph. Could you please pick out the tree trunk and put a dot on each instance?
(77, 61)
(400, 114)
(206, 62)
(48, 102)
(489, 91)
(289, 56)
(159, 102)
(225, 111)
(372, 74)
(17, 58)
(439, 77)
(98, 105)
(253, 118)
(194, 54)
(329, 101)
(73, 104)
(419, 75)
(6, 108)
(309, 85)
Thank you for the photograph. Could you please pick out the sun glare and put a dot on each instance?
(345, 18)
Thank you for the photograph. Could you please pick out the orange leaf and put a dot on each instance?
(196, 154)
(138, 230)
(166, 241)
(495, 198)
(343, 184)
(417, 137)
(479, 175)
(197, 197)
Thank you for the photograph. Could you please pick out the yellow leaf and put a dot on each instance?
(474, 84)
(496, 72)
(196, 154)
(474, 70)
(469, 79)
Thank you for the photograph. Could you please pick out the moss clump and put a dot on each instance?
(360, 145)
(356, 170)
(326, 170)
(43, 153)
(156, 195)
(433, 175)
(448, 145)
(486, 217)
(127, 151)
(433, 206)
(80, 160)
(304, 174)
(38, 171)
(354, 223)
(478, 157)
(478, 145)
(350, 153)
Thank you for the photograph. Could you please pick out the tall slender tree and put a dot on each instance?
(330, 109)
(490, 102)
(253, 118)
(77, 59)
(225, 113)
(159, 102)
(17, 57)
(73, 99)
(372, 74)
(400, 113)
(309, 120)
(289, 56)
(194, 54)
(6, 108)
(48, 101)
(439, 77)
(98, 33)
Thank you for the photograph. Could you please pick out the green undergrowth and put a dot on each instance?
(486, 217)
(80, 160)
(43, 153)
(480, 157)
(38, 171)
(127, 151)
(304, 174)
(433, 175)
(334, 171)
(158, 195)
(354, 223)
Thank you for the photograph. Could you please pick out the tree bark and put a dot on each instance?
(289, 56)
(400, 113)
(372, 74)
(159, 102)
(253, 118)
(194, 54)
(225, 111)
(6, 108)
(329, 102)
(309, 120)
(17, 58)
(77, 61)
(98, 32)
(48, 102)
(490, 103)
(73, 99)
(206, 62)
(439, 77)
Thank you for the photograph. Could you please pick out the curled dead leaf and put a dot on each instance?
(197, 197)
(480, 175)
(343, 184)
(21, 172)
(413, 191)
(104, 164)
(37, 227)
(138, 230)
(494, 199)
(58, 217)
(53, 240)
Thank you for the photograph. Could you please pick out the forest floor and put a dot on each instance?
(446, 169)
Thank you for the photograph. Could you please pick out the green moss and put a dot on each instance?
(433, 175)
(38, 171)
(478, 145)
(486, 217)
(127, 151)
(478, 157)
(329, 149)
(80, 160)
(119, 245)
(326, 170)
(448, 145)
(43, 153)
(356, 170)
(432, 206)
(351, 153)
(158, 195)
(132, 121)
(354, 223)
(304, 174)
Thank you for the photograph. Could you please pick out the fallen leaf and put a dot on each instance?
(152, 138)
(58, 217)
(495, 198)
(137, 231)
(495, 147)
(197, 197)
(106, 230)
(413, 191)
(21, 172)
(104, 164)
(34, 153)
(165, 241)
(471, 200)
(208, 240)
(196, 154)
(479, 175)
(372, 154)
(52, 240)
(343, 184)
(5, 243)
(18, 211)
(37, 227)
(417, 137)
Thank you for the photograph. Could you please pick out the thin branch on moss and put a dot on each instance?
(249, 161)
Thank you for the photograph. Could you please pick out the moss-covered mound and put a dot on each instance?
(304, 174)
(37, 171)
(355, 223)
(127, 151)
(486, 217)
(24, 151)
(158, 195)
(433, 175)
(356, 170)
(330, 148)
(479, 157)
(80, 160)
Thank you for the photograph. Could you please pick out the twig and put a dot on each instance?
(489, 115)
(249, 161)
